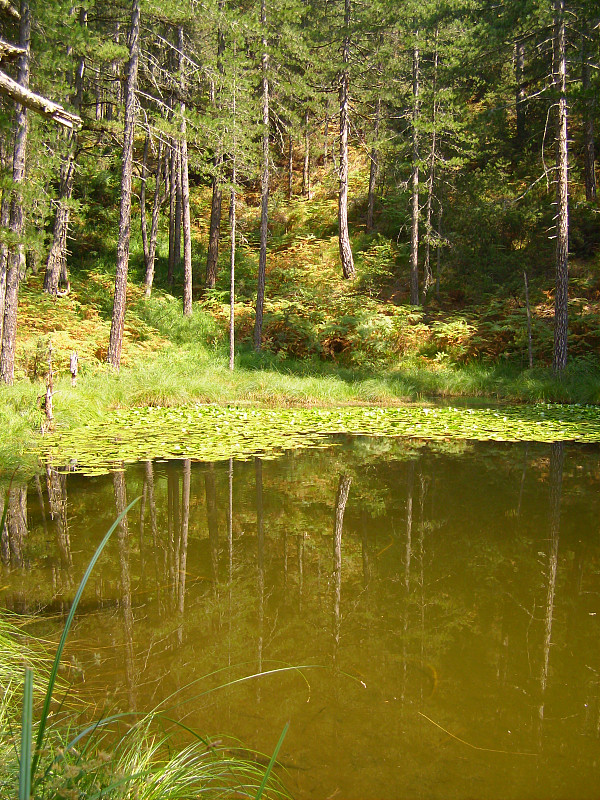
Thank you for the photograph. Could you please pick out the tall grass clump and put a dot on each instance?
(125, 756)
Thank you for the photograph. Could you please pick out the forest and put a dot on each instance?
(300, 370)
(322, 183)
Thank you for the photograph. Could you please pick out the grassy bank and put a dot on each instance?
(326, 341)
(183, 373)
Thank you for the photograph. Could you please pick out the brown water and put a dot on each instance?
(441, 604)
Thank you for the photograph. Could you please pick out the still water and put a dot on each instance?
(440, 602)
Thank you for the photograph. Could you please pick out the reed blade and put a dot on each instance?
(269, 769)
(63, 639)
(26, 737)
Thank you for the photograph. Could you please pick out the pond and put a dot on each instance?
(425, 615)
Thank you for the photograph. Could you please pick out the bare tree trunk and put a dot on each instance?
(232, 215)
(264, 206)
(562, 194)
(414, 231)
(149, 261)
(120, 300)
(306, 167)
(427, 273)
(326, 133)
(143, 179)
(178, 212)
(588, 123)
(521, 91)
(172, 212)
(290, 166)
(438, 254)
(212, 255)
(344, 237)
(16, 254)
(232, 223)
(56, 264)
(185, 192)
(4, 220)
(374, 168)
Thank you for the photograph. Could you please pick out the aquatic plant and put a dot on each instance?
(210, 433)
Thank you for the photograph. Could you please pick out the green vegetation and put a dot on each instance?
(213, 433)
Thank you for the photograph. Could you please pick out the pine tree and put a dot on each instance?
(120, 297)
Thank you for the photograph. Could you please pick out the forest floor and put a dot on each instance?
(326, 341)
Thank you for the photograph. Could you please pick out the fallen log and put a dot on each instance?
(37, 103)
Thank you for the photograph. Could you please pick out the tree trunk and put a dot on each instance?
(172, 212)
(178, 212)
(306, 166)
(562, 193)
(232, 223)
(185, 192)
(290, 166)
(588, 123)
(326, 133)
(154, 224)
(438, 253)
(414, 231)
(374, 168)
(56, 264)
(143, 179)
(4, 220)
(16, 254)
(118, 316)
(521, 92)
(264, 206)
(212, 255)
(427, 273)
(344, 237)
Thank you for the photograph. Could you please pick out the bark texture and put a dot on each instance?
(562, 193)
(414, 229)
(120, 299)
(150, 256)
(16, 254)
(185, 191)
(264, 205)
(346, 257)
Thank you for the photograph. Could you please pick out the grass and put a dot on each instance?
(196, 371)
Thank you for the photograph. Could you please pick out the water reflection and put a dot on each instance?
(448, 595)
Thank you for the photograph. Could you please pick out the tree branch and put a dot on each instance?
(10, 10)
(9, 51)
(37, 103)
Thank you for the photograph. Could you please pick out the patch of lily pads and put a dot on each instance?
(213, 433)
